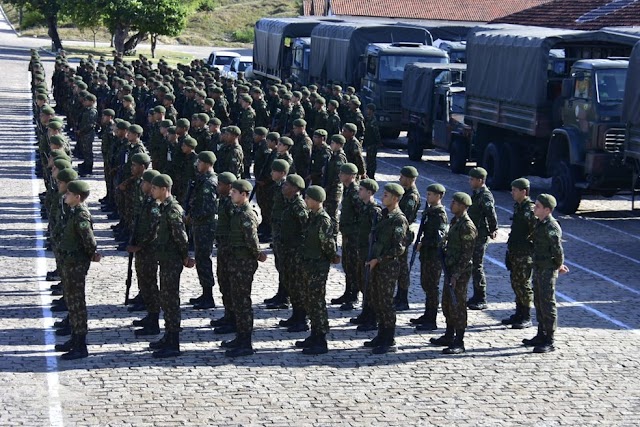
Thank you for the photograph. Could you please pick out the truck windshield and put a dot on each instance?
(223, 60)
(392, 66)
(610, 85)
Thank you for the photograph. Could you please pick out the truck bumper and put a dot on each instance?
(391, 120)
(606, 171)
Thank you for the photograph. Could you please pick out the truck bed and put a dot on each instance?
(533, 121)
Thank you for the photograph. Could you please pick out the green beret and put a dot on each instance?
(48, 110)
(61, 163)
(321, 132)
(480, 173)
(227, 178)
(296, 180)
(171, 130)
(285, 140)
(78, 187)
(149, 174)
(334, 103)
(128, 98)
(547, 200)
(242, 185)
(261, 131)
(370, 185)
(246, 98)
(316, 193)
(215, 121)
(141, 158)
(273, 136)
(409, 172)
(190, 142)
(183, 123)
(337, 87)
(81, 85)
(217, 90)
(355, 102)
(521, 184)
(349, 169)
(55, 125)
(41, 97)
(159, 109)
(234, 130)
(296, 93)
(436, 188)
(57, 140)
(371, 107)
(203, 117)
(210, 102)
(338, 139)
(320, 100)
(137, 129)
(300, 123)
(90, 97)
(56, 119)
(162, 180)
(67, 175)
(123, 124)
(287, 96)
(166, 123)
(207, 157)
(462, 198)
(170, 97)
(108, 112)
(350, 127)
(59, 154)
(313, 87)
(280, 165)
(395, 189)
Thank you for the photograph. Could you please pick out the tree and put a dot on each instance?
(50, 10)
(89, 16)
(162, 18)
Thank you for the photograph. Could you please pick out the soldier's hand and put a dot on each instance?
(96, 257)
(262, 257)
(563, 269)
(494, 235)
(372, 264)
(419, 246)
(133, 249)
(189, 262)
(336, 259)
(122, 187)
(187, 220)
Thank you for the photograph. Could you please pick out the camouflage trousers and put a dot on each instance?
(203, 237)
(372, 161)
(86, 147)
(403, 274)
(247, 152)
(314, 275)
(241, 272)
(170, 271)
(430, 271)
(477, 272)
(456, 314)
(334, 196)
(290, 266)
(520, 267)
(223, 261)
(147, 274)
(544, 298)
(264, 198)
(74, 273)
(382, 284)
(350, 261)
(277, 255)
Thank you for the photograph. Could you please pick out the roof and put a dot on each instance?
(578, 15)
(460, 10)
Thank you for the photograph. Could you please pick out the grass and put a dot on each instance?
(229, 24)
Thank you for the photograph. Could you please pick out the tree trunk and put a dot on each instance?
(133, 41)
(154, 41)
(52, 23)
(119, 37)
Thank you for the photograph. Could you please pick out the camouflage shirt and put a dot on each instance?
(318, 241)
(459, 244)
(547, 244)
(483, 213)
(77, 241)
(294, 215)
(390, 235)
(521, 236)
(171, 239)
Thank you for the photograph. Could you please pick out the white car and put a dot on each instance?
(220, 58)
(238, 65)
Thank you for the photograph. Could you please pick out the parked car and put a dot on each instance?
(219, 58)
(239, 64)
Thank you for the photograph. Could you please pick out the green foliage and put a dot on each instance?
(32, 18)
(207, 5)
(162, 17)
(243, 35)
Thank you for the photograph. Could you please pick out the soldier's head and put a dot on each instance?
(284, 144)
(161, 187)
(348, 173)
(545, 204)
(108, 115)
(371, 110)
(391, 196)
(147, 177)
(139, 163)
(332, 105)
(77, 192)
(232, 133)
(279, 170)
(319, 103)
(134, 133)
(319, 137)
(354, 104)
(188, 145)
(368, 188)
(158, 113)
(460, 202)
(54, 127)
(240, 191)
(435, 193)
(127, 101)
(314, 197)
(64, 177)
(299, 126)
(206, 160)
(520, 189)
(225, 179)
(477, 178)
(272, 140)
(259, 134)
(292, 186)
(408, 176)
(349, 130)
(337, 142)
(214, 125)
(246, 101)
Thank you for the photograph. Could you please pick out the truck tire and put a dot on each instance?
(414, 144)
(390, 133)
(458, 156)
(495, 162)
(563, 187)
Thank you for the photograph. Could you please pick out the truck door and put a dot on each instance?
(441, 113)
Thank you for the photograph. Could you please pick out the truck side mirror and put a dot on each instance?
(567, 88)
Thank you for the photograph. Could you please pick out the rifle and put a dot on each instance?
(325, 171)
(447, 276)
(132, 238)
(372, 241)
(187, 208)
(423, 222)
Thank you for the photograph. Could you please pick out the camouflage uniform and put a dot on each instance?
(333, 126)
(277, 207)
(409, 205)
(203, 211)
(353, 151)
(184, 172)
(320, 121)
(369, 213)
(86, 135)
(230, 159)
(319, 158)
(263, 117)
(483, 214)
(520, 251)
(372, 141)
(247, 123)
(294, 217)
(333, 186)
(301, 153)
(357, 119)
(146, 263)
(349, 218)
(434, 230)
(224, 254)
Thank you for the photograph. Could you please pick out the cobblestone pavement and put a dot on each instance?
(591, 380)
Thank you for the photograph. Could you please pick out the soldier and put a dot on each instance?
(263, 117)
(333, 119)
(548, 262)
(301, 150)
(283, 152)
(332, 184)
(77, 248)
(200, 133)
(183, 169)
(317, 252)
(409, 205)
(283, 121)
(243, 238)
(246, 123)
(108, 137)
(214, 136)
(139, 163)
(519, 257)
(127, 111)
(354, 115)
(349, 217)
(203, 209)
(171, 252)
(231, 158)
(293, 219)
(353, 149)
(263, 159)
(221, 106)
(320, 155)
(390, 238)
(459, 247)
(434, 228)
(483, 215)
(372, 140)
(320, 115)
(86, 133)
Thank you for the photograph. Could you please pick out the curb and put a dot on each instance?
(9, 22)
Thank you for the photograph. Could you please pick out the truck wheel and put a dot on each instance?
(495, 162)
(414, 144)
(458, 156)
(390, 133)
(563, 187)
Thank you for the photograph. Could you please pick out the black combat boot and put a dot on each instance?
(307, 342)
(537, 340)
(171, 347)
(64, 323)
(420, 320)
(160, 344)
(56, 287)
(402, 300)
(525, 319)
(59, 306)
(227, 328)
(244, 347)
(387, 343)
(224, 320)
(370, 325)
(446, 340)
(280, 301)
(376, 341)
(478, 301)
(67, 345)
(364, 316)
(142, 322)
(78, 349)
(318, 346)
(429, 323)
(457, 347)
(137, 304)
(514, 318)
(207, 302)
(63, 332)
(343, 298)
(53, 276)
(291, 320)
(277, 296)
(350, 304)
(198, 299)
(300, 323)
(547, 346)
(151, 328)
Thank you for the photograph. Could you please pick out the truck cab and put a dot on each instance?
(457, 51)
(382, 69)
(301, 52)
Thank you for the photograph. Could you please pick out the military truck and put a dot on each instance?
(631, 117)
(433, 98)
(548, 102)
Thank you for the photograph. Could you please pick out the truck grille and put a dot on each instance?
(614, 140)
(393, 101)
